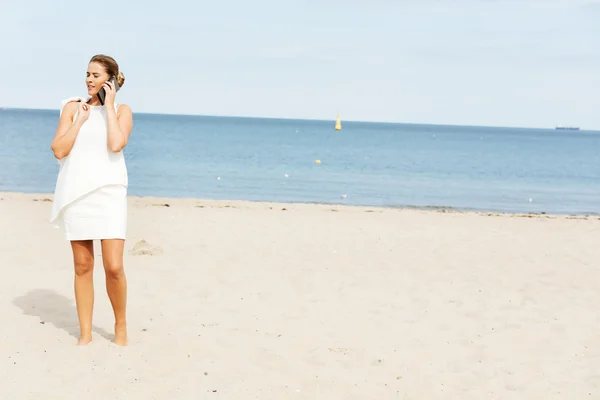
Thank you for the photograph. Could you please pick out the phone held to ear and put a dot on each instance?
(102, 92)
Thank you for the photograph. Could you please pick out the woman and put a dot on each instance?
(90, 199)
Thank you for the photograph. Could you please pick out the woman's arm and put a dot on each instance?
(67, 130)
(119, 127)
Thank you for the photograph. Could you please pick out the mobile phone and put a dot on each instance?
(102, 92)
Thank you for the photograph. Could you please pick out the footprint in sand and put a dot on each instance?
(143, 248)
(341, 350)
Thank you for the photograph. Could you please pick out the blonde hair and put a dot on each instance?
(110, 66)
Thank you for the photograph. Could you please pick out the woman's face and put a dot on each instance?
(95, 78)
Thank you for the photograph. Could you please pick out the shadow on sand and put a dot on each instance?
(56, 309)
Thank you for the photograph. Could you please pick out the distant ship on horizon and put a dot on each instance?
(567, 128)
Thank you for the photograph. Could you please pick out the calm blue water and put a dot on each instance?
(373, 164)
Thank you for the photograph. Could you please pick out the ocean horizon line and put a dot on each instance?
(351, 121)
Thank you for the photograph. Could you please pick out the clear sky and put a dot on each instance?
(474, 62)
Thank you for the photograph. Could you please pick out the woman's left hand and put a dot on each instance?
(109, 100)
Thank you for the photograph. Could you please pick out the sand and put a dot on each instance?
(241, 300)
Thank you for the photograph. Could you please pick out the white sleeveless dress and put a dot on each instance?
(90, 198)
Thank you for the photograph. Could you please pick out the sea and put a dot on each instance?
(365, 163)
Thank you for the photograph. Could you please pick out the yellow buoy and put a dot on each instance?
(338, 123)
(317, 161)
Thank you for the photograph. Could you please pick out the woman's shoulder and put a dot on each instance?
(70, 104)
(123, 109)
(69, 109)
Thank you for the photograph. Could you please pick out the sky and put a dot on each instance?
(522, 63)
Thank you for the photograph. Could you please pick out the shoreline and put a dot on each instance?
(221, 203)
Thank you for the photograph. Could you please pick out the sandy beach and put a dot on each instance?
(241, 300)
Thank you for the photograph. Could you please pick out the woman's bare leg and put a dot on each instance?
(116, 285)
(83, 259)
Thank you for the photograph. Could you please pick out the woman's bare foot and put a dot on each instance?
(120, 335)
(84, 340)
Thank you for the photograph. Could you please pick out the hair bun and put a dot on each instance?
(120, 79)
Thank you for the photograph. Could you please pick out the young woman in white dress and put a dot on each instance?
(90, 199)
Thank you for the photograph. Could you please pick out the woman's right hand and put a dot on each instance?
(83, 112)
